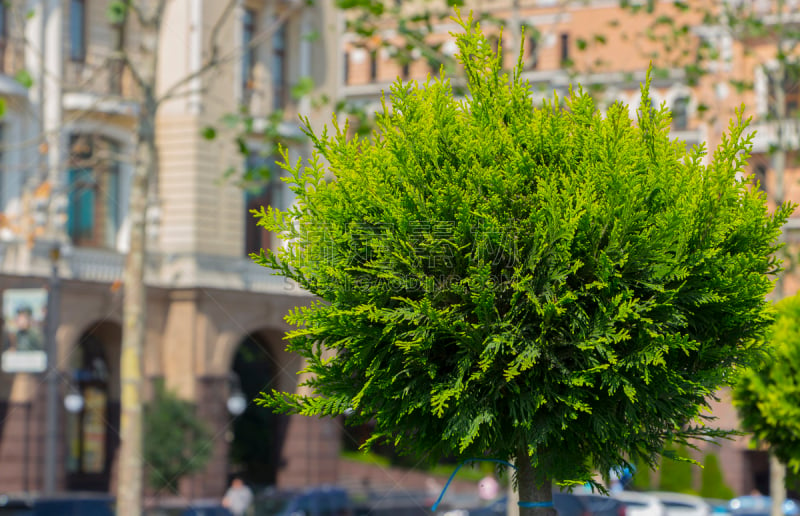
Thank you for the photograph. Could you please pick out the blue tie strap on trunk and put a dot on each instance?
(498, 461)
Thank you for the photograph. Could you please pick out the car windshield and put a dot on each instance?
(677, 505)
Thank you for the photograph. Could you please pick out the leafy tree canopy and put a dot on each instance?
(768, 396)
(550, 284)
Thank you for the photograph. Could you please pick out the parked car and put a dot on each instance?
(201, 507)
(566, 504)
(495, 508)
(760, 506)
(579, 504)
(718, 507)
(317, 501)
(678, 504)
(640, 504)
(61, 505)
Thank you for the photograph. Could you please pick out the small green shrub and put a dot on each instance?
(712, 483)
(176, 442)
(555, 285)
(677, 474)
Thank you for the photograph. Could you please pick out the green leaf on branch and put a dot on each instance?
(24, 78)
(209, 133)
(117, 12)
(303, 87)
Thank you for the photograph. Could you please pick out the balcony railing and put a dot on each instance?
(18, 257)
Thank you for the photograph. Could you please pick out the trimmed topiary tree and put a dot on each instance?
(176, 442)
(676, 472)
(552, 286)
(712, 483)
(768, 396)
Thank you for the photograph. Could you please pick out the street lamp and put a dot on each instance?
(73, 401)
(237, 403)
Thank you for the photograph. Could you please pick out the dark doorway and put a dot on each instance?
(92, 433)
(255, 452)
(758, 465)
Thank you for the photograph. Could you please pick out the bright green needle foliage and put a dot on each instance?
(768, 396)
(497, 279)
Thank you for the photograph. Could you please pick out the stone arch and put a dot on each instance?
(258, 434)
(228, 340)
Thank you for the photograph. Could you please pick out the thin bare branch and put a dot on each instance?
(214, 61)
(158, 15)
(136, 10)
(215, 30)
(137, 76)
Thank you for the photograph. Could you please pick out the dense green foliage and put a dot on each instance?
(496, 279)
(768, 396)
(712, 483)
(176, 442)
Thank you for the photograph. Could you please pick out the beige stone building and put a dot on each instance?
(214, 319)
(608, 49)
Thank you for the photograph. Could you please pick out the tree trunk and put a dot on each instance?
(130, 491)
(777, 470)
(533, 486)
(777, 485)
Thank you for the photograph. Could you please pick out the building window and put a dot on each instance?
(93, 200)
(680, 114)
(117, 64)
(270, 193)
(791, 92)
(346, 68)
(3, 34)
(77, 30)
(279, 89)
(406, 69)
(373, 65)
(249, 51)
(564, 48)
(533, 53)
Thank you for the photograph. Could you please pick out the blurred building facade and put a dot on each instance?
(607, 49)
(214, 319)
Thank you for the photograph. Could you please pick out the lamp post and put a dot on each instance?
(236, 402)
(73, 401)
(51, 424)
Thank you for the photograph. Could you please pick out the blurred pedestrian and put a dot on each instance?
(238, 497)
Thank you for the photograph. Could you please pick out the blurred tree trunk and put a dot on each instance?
(130, 491)
(777, 485)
